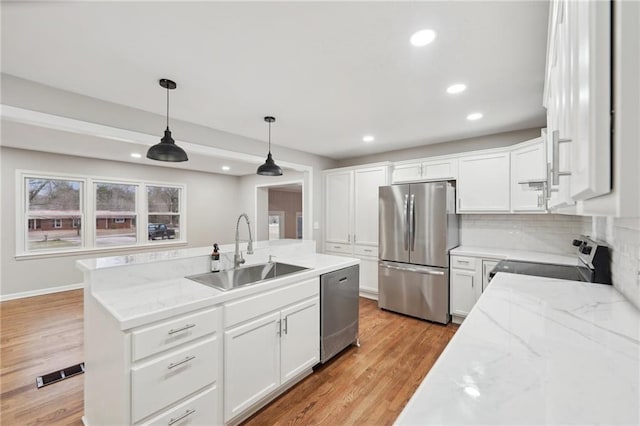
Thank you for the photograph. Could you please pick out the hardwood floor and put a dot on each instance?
(366, 385)
(39, 335)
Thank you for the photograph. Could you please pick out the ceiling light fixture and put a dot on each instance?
(422, 37)
(269, 168)
(136, 155)
(226, 168)
(456, 88)
(167, 150)
(368, 138)
(474, 116)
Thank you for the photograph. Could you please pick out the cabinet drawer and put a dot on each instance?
(202, 409)
(159, 383)
(369, 251)
(169, 334)
(463, 262)
(260, 304)
(337, 248)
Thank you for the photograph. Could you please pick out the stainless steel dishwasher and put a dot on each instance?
(338, 311)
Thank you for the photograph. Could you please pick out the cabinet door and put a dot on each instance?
(338, 207)
(463, 292)
(483, 183)
(252, 363)
(369, 276)
(440, 169)
(487, 266)
(406, 173)
(300, 348)
(528, 172)
(365, 217)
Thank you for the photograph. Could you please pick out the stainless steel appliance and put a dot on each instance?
(417, 228)
(592, 265)
(338, 311)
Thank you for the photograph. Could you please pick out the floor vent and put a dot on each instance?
(59, 375)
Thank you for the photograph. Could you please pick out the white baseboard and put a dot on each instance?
(368, 294)
(40, 292)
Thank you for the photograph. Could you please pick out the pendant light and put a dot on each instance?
(269, 168)
(167, 150)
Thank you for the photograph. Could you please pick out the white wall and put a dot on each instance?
(623, 238)
(497, 140)
(549, 233)
(212, 206)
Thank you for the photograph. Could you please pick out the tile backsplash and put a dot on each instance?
(623, 238)
(548, 233)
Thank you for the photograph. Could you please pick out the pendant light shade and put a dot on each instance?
(269, 168)
(167, 150)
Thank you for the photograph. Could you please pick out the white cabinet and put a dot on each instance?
(270, 339)
(483, 183)
(487, 266)
(528, 177)
(469, 277)
(429, 170)
(578, 100)
(351, 202)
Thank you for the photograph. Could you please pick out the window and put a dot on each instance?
(115, 214)
(163, 207)
(50, 205)
(55, 207)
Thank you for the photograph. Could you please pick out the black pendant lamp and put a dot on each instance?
(269, 168)
(167, 150)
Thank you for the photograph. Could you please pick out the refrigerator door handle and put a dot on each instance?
(406, 222)
(420, 271)
(412, 221)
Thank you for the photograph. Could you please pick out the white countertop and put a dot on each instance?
(138, 304)
(537, 351)
(512, 254)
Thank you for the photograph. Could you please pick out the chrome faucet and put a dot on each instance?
(237, 257)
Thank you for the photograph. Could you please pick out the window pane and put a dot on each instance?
(53, 206)
(115, 214)
(164, 213)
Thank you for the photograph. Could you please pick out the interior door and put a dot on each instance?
(393, 205)
(428, 222)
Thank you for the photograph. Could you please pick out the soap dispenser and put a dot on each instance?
(215, 259)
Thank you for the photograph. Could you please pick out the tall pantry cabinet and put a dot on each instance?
(351, 218)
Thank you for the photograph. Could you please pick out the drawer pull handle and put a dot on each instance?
(462, 261)
(175, 364)
(178, 330)
(336, 247)
(342, 280)
(177, 419)
(368, 251)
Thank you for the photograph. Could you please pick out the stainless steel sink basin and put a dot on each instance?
(246, 275)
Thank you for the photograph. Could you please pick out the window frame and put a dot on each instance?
(87, 210)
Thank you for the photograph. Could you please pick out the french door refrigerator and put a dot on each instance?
(417, 228)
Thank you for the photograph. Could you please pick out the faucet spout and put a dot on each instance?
(237, 257)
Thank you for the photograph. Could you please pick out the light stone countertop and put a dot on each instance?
(142, 303)
(512, 254)
(537, 351)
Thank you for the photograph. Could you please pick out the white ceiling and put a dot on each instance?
(329, 71)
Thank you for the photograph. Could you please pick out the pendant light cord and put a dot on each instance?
(167, 107)
(269, 137)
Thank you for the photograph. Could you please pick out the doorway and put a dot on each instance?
(280, 212)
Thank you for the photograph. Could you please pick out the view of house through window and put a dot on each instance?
(115, 214)
(163, 206)
(53, 208)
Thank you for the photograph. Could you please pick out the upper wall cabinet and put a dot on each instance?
(528, 177)
(578, 100)
(433, 169)
(483, 183)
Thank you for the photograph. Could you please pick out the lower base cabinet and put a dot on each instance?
(264, 353)
(368, 256)
(469, 278)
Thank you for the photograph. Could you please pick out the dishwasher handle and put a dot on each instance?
(420, 271)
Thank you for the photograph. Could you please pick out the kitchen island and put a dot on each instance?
(160, 347)
(537, 351)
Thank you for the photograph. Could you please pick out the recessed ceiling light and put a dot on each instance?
(474, 116)
(226, 168)
(422, 37)
(136, 155)
(368, 138)
(456, 88)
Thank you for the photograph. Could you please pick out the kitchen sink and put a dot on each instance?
(246, 275)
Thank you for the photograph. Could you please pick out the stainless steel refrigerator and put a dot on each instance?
(417, 228)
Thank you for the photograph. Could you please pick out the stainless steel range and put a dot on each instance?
(592, 265)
